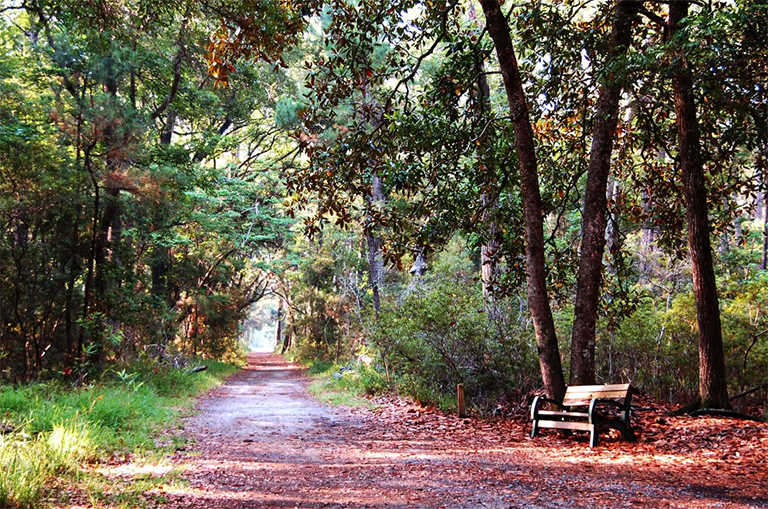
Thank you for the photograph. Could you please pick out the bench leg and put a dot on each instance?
(535, 430)
(629, 434)
(593, 436)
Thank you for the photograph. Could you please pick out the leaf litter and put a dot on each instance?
(262, 441)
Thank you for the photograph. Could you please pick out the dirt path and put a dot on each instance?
(261, 441)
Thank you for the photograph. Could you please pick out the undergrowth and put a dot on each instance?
(347, 385)
(51, 429)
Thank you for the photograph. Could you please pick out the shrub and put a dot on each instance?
(443, 336)
(652, 349)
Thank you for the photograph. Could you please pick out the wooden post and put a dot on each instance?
(460, 398)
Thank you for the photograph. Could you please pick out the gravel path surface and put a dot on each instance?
(262, 441)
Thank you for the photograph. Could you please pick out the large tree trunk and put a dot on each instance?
(712, 383)
(590, 274)
(538, 299)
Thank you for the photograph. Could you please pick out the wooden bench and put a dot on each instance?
(570, 414)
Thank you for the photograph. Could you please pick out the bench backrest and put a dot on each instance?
(582, 395)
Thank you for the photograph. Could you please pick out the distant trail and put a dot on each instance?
(266, 402)
(262, 441)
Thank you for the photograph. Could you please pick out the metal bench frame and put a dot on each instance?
(593, 397)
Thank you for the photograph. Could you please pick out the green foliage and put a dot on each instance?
(441, 335)
(653, 348)
(329, 294)
(57, 428)
(657, 346)
(23, 471)
(346, 385)
(143, 209)
(137, 202)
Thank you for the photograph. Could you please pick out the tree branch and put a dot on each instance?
(177, 60)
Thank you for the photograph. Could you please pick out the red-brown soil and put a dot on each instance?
(261, 441)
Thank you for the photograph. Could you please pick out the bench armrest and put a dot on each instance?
(540, 400)
(623, 406)
(598, 401)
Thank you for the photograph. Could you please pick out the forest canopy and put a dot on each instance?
(505, 195)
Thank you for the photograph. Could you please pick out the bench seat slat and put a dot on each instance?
(595, 394)
(598, 388)
(582, 426)
(583, 395)
(555, 413)
(586, 401)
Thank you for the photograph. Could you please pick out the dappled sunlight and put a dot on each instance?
(136, 470)
(67, 444)
(268, 445)
(289, 369)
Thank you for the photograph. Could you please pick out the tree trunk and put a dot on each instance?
(590, 275)
(89, 278)
(161, 261)
(489, 198)
(109, 222)
(279, 333)
(375, 265)
(489, 251)
(712, 382)
(760, 163)
(419, 265)
(69, 324)
(538, 299)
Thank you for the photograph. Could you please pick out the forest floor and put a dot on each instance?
(262, 441)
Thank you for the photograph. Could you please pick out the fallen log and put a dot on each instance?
(198, 369)
(719, 412)
(750, 391)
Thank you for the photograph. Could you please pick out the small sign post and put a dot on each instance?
(460, 398)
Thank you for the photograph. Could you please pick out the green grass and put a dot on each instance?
(56, 428)
(355, 386)
(350, 389)
(23, 470)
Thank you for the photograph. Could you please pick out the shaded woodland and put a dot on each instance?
(508, 196)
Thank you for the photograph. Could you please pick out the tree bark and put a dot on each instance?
(712, 382)
(90, 277)
(760, 163)
(375, 265)
(590, 275)
(279, 332)
(160, 265)
(69, 324)
(374, 257)
(489, 198)
(538, 299)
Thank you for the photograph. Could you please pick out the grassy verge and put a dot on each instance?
(352, 385)
(54, 434)
(345, 385)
